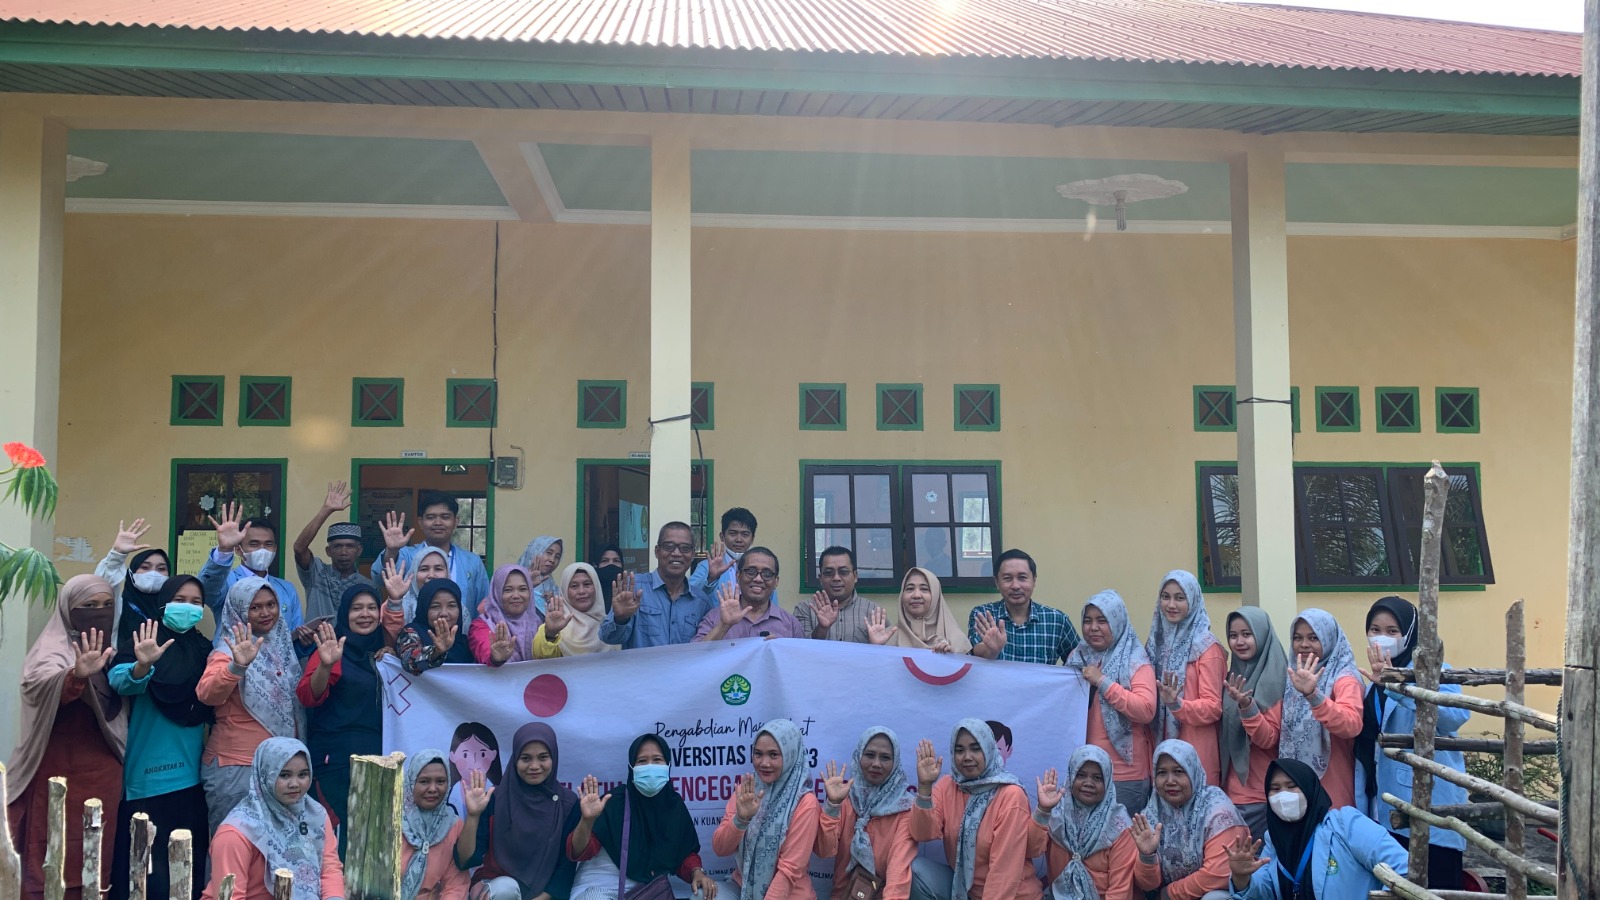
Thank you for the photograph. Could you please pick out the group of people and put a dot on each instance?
(1201, 763)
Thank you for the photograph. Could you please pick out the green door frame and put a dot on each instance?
(355, 486)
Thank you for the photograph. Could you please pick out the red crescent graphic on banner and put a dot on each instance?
(545, 695)
(935, 680)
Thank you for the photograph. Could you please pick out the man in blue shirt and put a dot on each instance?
(437, 517)
(718, 568)
(659, 607)
(256, 543)
(1016, 628)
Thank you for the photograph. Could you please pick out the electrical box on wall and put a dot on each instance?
(508, 471)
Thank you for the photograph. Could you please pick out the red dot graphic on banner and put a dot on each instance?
(545, 696)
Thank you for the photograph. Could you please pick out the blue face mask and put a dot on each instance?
(181, 617)
(650, 779)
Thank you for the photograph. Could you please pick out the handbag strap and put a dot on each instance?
(622, 861)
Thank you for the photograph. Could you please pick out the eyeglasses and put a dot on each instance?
(841, 572)
(680, 549)
(760, 574)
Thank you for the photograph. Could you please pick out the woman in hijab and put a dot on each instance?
(508, 619)
(1312, 849)
(1322, 708)
(1091, 854)
(926, 622)
(402, 589)
(430, 828)
(1252, 716)
(250, 680)
(770, 825)
(580, 598)
(1194, 823)
(541, 558)
(1391, 638)
(72, 725)
(651, 816)
(343, 696)
(1124, 698)
(157, 670)
(608, 568)
(434, 637)
(982, 814)
(141, 571)
(864, 821)
(277, 826)
(1188, 663)
(517, 834)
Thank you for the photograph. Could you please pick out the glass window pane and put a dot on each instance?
(972, 497)
(933, 550)
(1458, 505)
(1360, 498)
(1369, 553)
(930, 498)
(831, 537)
(875, 552)
(1330, 552)
(977, 553)
(872, 500)
(1463, 552)
(830, 499)
(1322, 498)
(1228, 563)
(1225, 499)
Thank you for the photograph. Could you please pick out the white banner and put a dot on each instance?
(709, 701)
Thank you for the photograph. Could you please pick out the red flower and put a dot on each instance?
(23, 456)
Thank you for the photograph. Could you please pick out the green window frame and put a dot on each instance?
(1215, 408)
(1457, 410)
(703, 405)
(823, 407)
(1399, 410)
(264, 400)
(1338, 408)
(471, 403)
(602, 404)
(377, 402)
(197, 399)
(977, 407)
(899, 407)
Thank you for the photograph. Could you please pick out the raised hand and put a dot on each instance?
(338, 497)
(716, 564)
(590, 800)
(835, 784)
(1380, 662)
(991, 633)
(243, 646)
(127, 541)
(728, 607)
(1049, 790)
(444, 634)
(1242, 861)
(93, 654)
(1145, 837)
(395, 580)
(624, 598)
(930, 765)
(1171, 693)
(880, 632)
(1236, 687)
(330, 647)
(230, 531)
(476, 795)
(746, 799)
(393, 528)
(556, 616)
(1303, 674)
(502, 647)
(145, 648)
(826, 610)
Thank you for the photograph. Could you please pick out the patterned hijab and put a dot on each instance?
(289, 837)
(542, 585)
(1085, 830)
(267, 687)
(1119, 661)
(1185, 829)
(522, 627)
(1173, 645)
(409, 601)
(422, 828)
(582, 634)
(763, 839)
(1265, 674)
(1303, 737)
(981, 790)
(887, 799)
(938, 624)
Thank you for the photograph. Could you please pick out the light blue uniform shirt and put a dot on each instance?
(702, 573)
(218, 576)
(466, 570)
(660, 620)
(162, 756)
(1399, 716)
(1344, 849)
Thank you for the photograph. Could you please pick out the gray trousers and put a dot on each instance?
(225, 787)
(1133, 795)
(931, 880)
(1256, 816)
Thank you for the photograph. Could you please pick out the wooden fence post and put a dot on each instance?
(143, 835)
(282, 885)
(180, 864)
(372, 856)
(1511, 757)
(1426, 659)
(10, 860)
(94, 830)
(55, 851)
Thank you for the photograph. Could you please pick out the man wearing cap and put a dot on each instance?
(326, 583)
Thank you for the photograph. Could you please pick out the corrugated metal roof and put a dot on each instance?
(1175, 31)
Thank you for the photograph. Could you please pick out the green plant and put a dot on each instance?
(1541, 776)
(29, 484)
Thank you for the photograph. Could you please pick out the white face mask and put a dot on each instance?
(1289, 806)
(1389, 644)
(736, 556)
(149, 582)
(260, 560)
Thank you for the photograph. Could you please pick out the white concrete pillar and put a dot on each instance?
(670, 378)
(33, 167)
(1261, 361)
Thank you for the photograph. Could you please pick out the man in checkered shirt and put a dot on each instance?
(1016, 628)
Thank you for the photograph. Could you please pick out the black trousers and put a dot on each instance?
(1444, 865)
(168, 813)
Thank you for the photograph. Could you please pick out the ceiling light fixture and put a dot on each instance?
(1120, 190)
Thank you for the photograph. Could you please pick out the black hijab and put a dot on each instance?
(175, 676)
(138, 606)
(608, 575)
(353, 702)
(662, 835)
(1290, 839)
(1366, 747)
(459, 652)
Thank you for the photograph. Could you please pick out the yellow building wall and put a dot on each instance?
(1095, 342)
